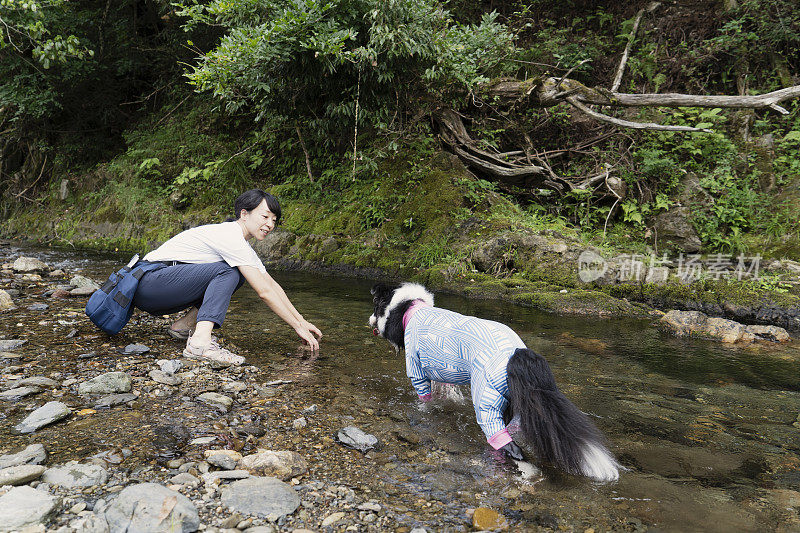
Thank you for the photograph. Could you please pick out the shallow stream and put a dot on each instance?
(710, 433)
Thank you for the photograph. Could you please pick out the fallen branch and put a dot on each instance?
(627, 123)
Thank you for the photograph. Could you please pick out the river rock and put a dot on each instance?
(726, 330)
(165, 379)
(19, 474)
(210, 478)
(6, 303)
(82, 291)
(108, 383)
(18, 392)
(114, 399)
(38, 307)
(170, 366)
(6, 345)
(34, 454)
(81, 282)
(486, 519)
(355, 438)
(134, 349)
(91, 523)
(23, 507)
(37, 381)
(280, 464)
(332, 518)
(29, 264)
(225, 459)
(220, 401)
(74, 474)
(153, 508)
(184, 478)
(46, 414)
(771, 333)
(265, 497)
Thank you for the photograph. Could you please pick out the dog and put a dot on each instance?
(506, 379)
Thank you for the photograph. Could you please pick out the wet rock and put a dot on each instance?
(32, 277)
(6, 303)
(234, 387)
(153, 508)
(7, 345)
(299, 423)
(219, 401)
(46, 414)
(34, 307)
(281, 464)
(729, 331)
(355, 438)
(770, 333)
(165, 379)
(114, 399)
(370, 506)
(18, 392)
(134, 349)
(74, 474)
(23, 507)
(486, 519)
(34, 454)
(57, 273)
(170, 366)
(59, 294)
(19, 474)
(37, 381)
(108, 383)
(265, 497)
(225, 459)
(29, 264)
(169, 440)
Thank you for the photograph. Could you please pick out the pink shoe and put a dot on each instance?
(211, 352)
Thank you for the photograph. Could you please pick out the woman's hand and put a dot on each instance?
(306, 334)
(313, 329)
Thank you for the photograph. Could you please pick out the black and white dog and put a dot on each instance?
(505, 378)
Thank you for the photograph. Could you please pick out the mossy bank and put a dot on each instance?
(427, 219)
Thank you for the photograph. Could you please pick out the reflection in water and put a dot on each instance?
(708, 432)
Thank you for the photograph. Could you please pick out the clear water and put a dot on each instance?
(709, 432)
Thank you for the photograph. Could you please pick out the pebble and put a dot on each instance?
(108, 383)
(37, 381)
(220, 401)
(225, 459)
(112, 400)
(488, 519)
(299, 423)
(134, 349)
(18, 393)
(170, 366)
(332, 519)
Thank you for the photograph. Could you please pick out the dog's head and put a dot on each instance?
(390, 303)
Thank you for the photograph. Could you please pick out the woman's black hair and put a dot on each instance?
(251, 199)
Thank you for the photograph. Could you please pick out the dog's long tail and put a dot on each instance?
(558, 430)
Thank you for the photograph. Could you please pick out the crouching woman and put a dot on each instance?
(205, 265)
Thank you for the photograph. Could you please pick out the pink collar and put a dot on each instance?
(413, 308)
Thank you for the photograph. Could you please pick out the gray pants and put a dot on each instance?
(207, 286)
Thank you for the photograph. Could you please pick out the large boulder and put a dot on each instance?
(152, 508)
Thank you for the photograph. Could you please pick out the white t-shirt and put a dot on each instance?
(209, 244)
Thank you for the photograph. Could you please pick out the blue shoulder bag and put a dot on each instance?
(111, 306)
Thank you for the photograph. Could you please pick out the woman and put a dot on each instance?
(205, 265)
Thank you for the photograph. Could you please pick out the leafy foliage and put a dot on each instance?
(318, 61)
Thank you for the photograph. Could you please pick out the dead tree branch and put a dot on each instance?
(631, 38)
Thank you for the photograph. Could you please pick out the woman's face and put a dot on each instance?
(258, 222)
